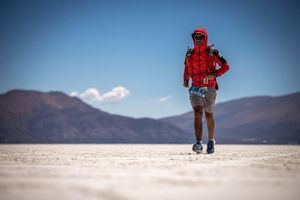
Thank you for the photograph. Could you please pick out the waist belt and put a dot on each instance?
(200, 91)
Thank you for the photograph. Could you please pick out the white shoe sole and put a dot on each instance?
(199, 151)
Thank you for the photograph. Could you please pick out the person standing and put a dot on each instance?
(201, 67)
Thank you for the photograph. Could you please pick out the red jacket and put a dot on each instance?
(199, 63)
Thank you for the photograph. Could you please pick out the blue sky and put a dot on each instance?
(131, 53)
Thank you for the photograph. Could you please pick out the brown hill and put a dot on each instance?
(252, 120)
(54, 117)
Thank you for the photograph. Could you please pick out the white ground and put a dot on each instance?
(38, 172)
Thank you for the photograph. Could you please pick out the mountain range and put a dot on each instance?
(261, 119)
(54, 117)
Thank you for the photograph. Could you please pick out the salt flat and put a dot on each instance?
(148, 172)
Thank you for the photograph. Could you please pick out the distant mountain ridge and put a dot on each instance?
(262, 119)
(54, 117)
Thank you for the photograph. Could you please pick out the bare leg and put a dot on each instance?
(198, 112)
(210, 125)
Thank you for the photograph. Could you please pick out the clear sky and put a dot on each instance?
(126, 57)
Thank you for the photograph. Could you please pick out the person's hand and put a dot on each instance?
(208, 78)
(186, 83)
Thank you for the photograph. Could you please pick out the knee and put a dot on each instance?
(198, 112)
(209, 116)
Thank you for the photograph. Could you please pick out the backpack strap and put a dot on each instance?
(209, 49)
(212, 51)
(189, 53)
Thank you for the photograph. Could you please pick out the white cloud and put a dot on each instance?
(166, 98)
(92, 95)
(73, 94)
(116, 94)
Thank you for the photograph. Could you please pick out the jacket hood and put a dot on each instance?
(204, 44)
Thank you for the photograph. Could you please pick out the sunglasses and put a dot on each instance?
(198, 37)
